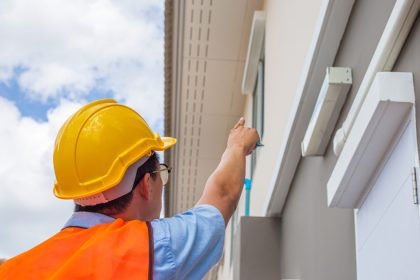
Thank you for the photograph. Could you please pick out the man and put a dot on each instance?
(105, 160)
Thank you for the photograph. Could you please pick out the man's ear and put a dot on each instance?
(144, 187)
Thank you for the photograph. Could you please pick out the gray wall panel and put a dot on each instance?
(258, 245)
(318, 242)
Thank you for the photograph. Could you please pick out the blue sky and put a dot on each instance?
(30, 108)
(55, 56)
(37, 109)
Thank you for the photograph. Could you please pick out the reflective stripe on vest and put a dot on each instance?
(117, 250)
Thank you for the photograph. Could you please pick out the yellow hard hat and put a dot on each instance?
(97, 144)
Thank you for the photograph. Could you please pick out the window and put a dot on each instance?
(258, 110)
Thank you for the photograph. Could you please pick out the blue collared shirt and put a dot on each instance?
(186, 245)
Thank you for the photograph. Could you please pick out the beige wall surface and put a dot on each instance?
(289, 29)
(318, 242)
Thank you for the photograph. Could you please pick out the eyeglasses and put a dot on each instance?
(164, 171)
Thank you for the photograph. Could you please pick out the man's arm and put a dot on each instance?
(224, 186)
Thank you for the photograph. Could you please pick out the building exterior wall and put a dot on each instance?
(289, 29)
(285, 52)
(365, 27)
(317, 241)
(207, 43)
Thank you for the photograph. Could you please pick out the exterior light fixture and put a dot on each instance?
(335, 87)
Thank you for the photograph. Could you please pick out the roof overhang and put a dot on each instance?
(205, 51)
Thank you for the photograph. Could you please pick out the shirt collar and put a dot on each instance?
(87, 220)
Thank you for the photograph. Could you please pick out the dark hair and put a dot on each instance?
(118, 205)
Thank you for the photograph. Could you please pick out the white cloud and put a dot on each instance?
(28, 210)
(68, 47)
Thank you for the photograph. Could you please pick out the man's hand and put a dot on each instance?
(224, 187)
(243, 137)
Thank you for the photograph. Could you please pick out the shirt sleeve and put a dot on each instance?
(188, 244)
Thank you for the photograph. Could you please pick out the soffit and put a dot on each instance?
(214, 45)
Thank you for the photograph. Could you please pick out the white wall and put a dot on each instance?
(289, 29)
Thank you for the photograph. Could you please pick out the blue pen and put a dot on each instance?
(259, 144)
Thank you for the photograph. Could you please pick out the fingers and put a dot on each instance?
(247, 137)
(241, 122)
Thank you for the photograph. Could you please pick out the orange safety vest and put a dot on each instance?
(117, 250)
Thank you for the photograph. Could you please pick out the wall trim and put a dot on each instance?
(377, 128)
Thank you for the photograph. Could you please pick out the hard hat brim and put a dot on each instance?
(168, 142)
